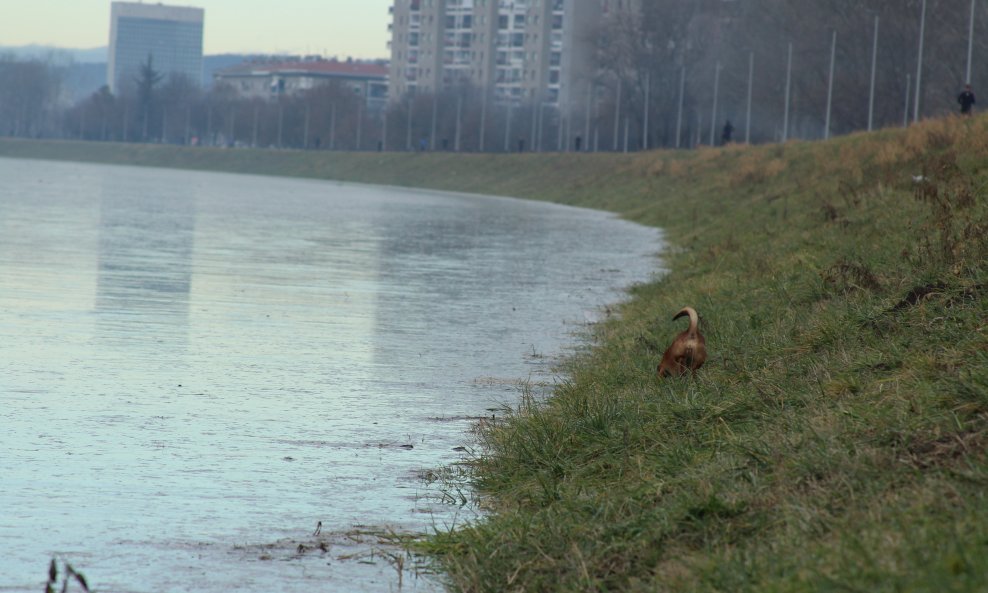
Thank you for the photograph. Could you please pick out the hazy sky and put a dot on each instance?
(357, 28)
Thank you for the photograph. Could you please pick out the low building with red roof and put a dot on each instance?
(271, 79)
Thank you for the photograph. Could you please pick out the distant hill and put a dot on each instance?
(59, 54)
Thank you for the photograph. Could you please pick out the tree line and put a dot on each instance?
(671, 75)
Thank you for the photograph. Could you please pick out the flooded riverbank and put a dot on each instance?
(197, 369)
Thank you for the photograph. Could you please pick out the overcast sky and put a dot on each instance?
(357, 28)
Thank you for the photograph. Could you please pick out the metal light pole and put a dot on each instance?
(459, 115)
(586, 128)
(919, 63)
(905, 113)
(627, 125)
(507, 132)
(188, 125)
(332, 127)
(617, 116)
(648, 98)
(542, 142)
(384, 130)
(679, 114)
(360, 125)
(596, 124)
(830, 85)
(568, 136)
(254, 134)
(281, 123)
(305, 131)
(970, 43)
(713, 114)
(559, 140)
(785, 117)
(435, 115)
(751, 80)
(483, 120)
(408, 129)
(874, 67)
(535, 128)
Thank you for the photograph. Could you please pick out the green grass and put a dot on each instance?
(836, 438)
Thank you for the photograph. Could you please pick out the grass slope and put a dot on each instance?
(836, 439)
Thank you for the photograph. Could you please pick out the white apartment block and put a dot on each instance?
(522, 51)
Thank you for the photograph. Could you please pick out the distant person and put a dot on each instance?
(966, 99)
(423, 144)
(725, 136)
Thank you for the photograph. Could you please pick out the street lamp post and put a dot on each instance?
(679, 113)
(459, 115)
(408, 126)
(713, 114)
(970, 43)
(874, 67)
(830, 85)
(435, 116)
(648, 98)
(919, 63)
(785, 117)
(617, 115)
(507, 132)
(751, 80)
(905, 113)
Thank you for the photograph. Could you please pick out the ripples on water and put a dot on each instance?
(195, 368)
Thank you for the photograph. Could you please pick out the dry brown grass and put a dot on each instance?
(756, 166)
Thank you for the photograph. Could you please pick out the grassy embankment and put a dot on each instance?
(836, 439)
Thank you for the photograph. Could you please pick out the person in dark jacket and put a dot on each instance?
(966, 99)
(727, 133)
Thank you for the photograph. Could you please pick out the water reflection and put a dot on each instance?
(146, 242)
(455, 293)
(197, 368)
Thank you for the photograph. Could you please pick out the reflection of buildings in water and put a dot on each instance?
(145, 260)
(461, 267)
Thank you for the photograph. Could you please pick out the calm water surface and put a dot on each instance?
(196, 368)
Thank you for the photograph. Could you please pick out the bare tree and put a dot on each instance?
(29, 93)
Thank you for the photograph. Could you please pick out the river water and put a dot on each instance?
(196, 369)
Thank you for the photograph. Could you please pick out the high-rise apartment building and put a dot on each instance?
(171, 35)
(522, 51)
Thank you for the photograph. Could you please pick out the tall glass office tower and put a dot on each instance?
(171, 35)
